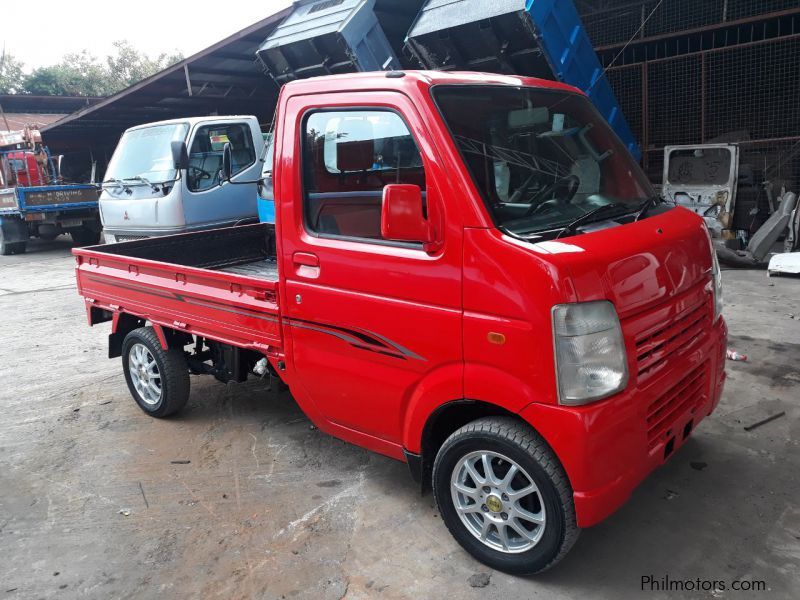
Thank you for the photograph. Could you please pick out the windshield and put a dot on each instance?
(146, 153)
(541, 158)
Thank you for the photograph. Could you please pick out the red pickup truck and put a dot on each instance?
(468, 273)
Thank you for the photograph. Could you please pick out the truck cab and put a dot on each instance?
(468, 273)
(145, 193)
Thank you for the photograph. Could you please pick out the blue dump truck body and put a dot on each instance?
(537, 38)
(322, 37)
(540, 38)
(46, 211)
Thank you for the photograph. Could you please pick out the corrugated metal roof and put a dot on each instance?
(30, 103)
(222, 79)
(15, 121)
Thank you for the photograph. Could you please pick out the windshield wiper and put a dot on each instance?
(119, 183)
(646, 206)
(144, 181)
(585, 217)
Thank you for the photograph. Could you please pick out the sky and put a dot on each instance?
(152, 26)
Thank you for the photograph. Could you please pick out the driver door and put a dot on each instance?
(370, 319)
(206, 201)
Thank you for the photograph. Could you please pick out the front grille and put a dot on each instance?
(130, 238)
(663, 412)
(654, 348)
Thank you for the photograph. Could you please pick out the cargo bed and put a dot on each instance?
(219, 284)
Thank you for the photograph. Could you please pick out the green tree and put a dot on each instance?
(11, 75)
(83, 74)
(78, 74)
(131, 66)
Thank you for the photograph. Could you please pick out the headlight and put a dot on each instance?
(591, 363)
(716, 276)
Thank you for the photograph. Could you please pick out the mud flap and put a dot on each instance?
(13, 229)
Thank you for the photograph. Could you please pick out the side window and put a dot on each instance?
(205, 154)
(348, 158)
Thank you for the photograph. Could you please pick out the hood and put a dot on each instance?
(636, 265)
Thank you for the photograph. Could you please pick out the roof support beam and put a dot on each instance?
(234, 56)
(188, 79)
(227, 73)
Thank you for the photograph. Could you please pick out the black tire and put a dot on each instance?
(171, 368)
(9, 248)
(6, 248)
(516, 440)
(85, 236)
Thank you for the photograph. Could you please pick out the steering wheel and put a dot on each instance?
(570, 183)
(203, 174)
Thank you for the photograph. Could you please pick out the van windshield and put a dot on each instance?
(146, 153)
(541, 158)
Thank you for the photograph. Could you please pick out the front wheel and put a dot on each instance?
(504, 496)
(158, 379)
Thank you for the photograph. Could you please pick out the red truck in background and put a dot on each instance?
(468, 272)
(29, 173)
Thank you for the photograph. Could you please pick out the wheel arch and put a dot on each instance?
(123, 323)
(448, 418)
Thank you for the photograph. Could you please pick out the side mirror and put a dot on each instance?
(227, 163)
(180, 155)
(401, 215)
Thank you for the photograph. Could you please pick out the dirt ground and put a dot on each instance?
(239, 497)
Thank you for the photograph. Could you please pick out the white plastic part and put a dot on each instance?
(591, 363)
(260, 367)
(716, 275)
(788, 263)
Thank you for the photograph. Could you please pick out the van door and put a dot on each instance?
(703, 179)
(369, 318)
(206, 202)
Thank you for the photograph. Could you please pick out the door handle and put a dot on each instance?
(305, 259)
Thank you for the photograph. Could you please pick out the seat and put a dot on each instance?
(241, 154)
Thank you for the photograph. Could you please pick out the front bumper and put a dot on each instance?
(609, 447)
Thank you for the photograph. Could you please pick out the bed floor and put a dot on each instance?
(263, 269)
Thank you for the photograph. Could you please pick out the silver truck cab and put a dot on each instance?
(146, 193)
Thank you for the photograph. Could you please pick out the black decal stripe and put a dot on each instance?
(358, 338)
(246, 312)
(363, 335)
(374, 342)
(398, 347)
(217, 306)
(347, 338)
(134, 287)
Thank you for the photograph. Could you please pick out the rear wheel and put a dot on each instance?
(504, 496)
(158, 379)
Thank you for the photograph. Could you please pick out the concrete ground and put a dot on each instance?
(98, 501)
